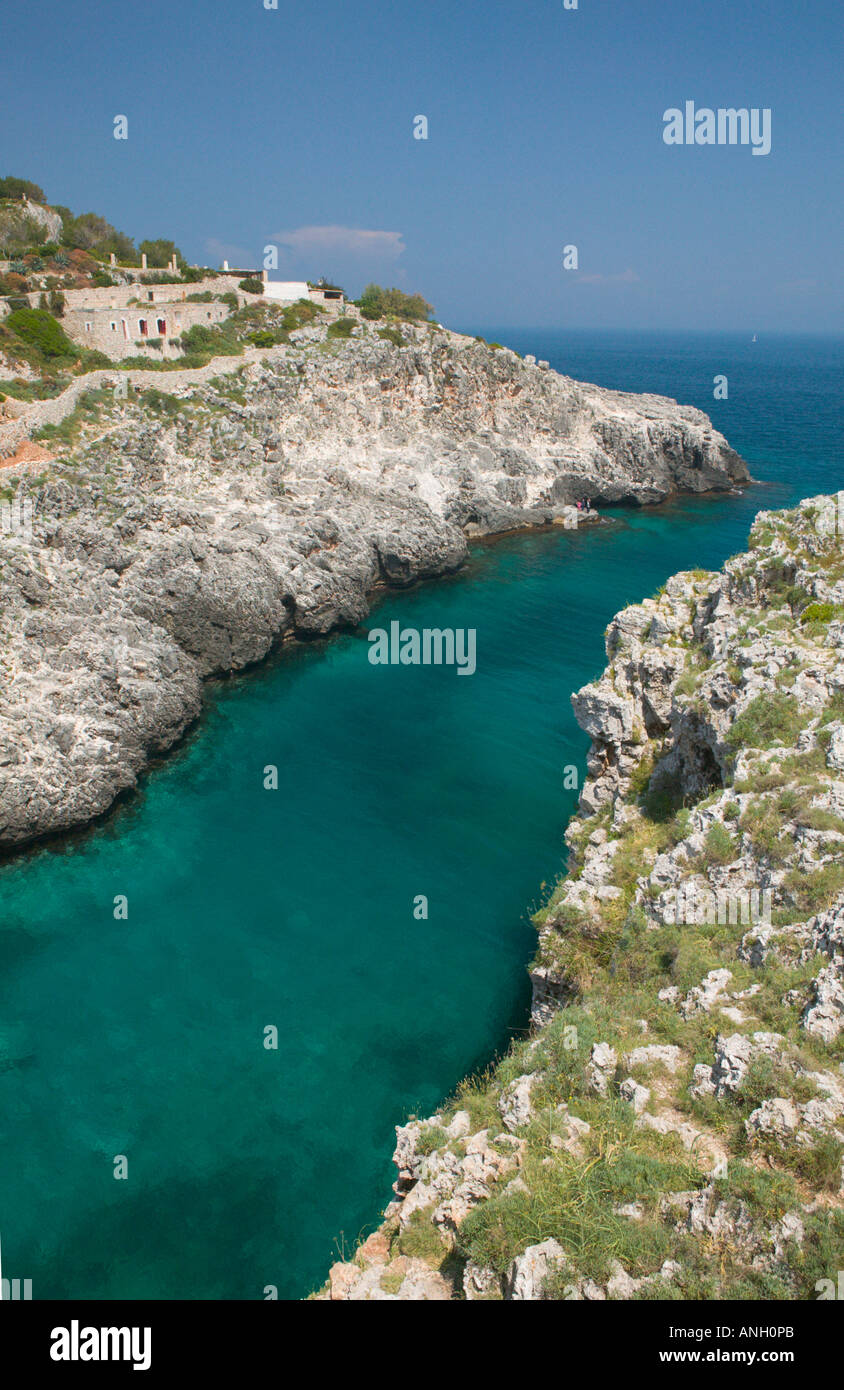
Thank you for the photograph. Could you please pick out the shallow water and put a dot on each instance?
(294, 908)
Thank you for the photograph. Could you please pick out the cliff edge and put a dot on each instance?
(184, 527)
(673, 1127)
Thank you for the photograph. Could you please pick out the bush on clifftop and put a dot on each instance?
(378, 303)
(39, 329)
(21, 188)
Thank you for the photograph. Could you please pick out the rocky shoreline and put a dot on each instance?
(673, 1126)
(186, 531)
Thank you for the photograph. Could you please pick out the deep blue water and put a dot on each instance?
(294, 908)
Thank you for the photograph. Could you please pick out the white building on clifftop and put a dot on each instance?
(286, 291)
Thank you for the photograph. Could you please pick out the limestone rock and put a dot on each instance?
(703, 997)
(601, 1067)
(175, 550)
(480, 1282)
(528, 1274)
(515, 1105)
(823, 1016)
(777, 1119)
(637, 1095)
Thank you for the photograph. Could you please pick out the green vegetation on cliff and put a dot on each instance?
(378, 303)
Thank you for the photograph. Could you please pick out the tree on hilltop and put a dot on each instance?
(90, 232)
(21, 188)
(378, 303)
(160, 253)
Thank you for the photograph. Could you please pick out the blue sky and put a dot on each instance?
(294, 126)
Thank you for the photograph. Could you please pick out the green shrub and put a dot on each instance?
(39, 330)
(819, 1164)
(766, 1077)
(820, 1255)
(378, 303)
(431, 1138)
(421, 1240)
(160, 402)
(576, 1204)
(810, 892)
(763, 822)
(769, 719)
(301, 312)
(160, 252)
(818, 613)
(213, 341)
(162, 277)
(392, 335)
(18, 189)
(86, 231)
(251, 286)
(719, 847)
(341, 328)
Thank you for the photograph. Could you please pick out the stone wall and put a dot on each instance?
(52, 412)
(118, 332)
(118, 296)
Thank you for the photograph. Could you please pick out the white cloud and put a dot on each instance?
(354, 241)
(625, 277)
(804, 286)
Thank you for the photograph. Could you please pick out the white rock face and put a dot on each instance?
(479, 1282)
(515, 1105)
(824, 1014)
(703, 997)
(637, 1095)
(460, 1126)
(601, 1067)
(656, 1055)
(13, 218)
(528, 1274)
(231, 526)
(835, 752)
(733, 1056)
(777, 1119)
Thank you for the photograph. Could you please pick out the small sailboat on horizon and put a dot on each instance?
(753, 339)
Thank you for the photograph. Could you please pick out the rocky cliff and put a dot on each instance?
(25, 222)
(185, 531)
(673, 1126)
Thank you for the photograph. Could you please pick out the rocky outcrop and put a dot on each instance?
(674, 1125)
(23, 222)
(180, 536)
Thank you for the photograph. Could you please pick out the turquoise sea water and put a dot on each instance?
(294, 908)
